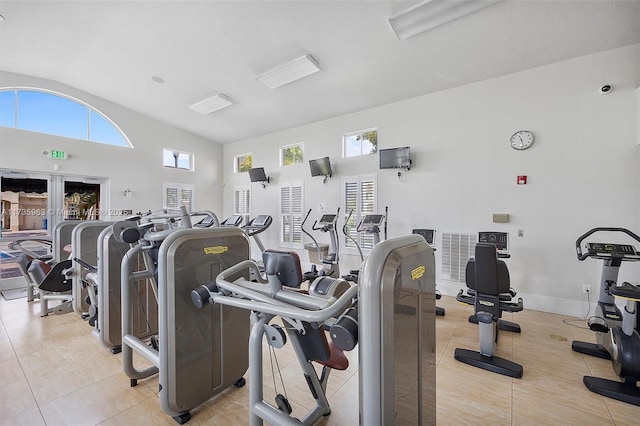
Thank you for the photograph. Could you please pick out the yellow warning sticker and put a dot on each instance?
(418, 272)
(216, 250)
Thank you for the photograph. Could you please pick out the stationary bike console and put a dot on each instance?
(605, 251)
(610, 250)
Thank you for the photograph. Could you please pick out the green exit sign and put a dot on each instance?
(57, 154)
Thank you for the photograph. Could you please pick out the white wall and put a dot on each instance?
(582, 168)
(139, 169)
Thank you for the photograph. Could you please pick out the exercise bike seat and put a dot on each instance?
(626, 291)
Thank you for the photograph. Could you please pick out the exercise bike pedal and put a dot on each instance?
(283, 404)
(598, 325)
(600, 328)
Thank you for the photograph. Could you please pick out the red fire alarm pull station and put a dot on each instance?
(522, 180)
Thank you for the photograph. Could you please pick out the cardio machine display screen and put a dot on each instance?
(261, 220)
(611, 249)
(373, 219)
(328, 218)
(499, 239)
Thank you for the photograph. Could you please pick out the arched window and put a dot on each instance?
(43, 111)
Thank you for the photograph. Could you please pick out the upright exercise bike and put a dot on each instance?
(616, 332)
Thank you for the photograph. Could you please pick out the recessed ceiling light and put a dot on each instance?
(1, 18)
(289, 72)
(157, 79)
(212, 104)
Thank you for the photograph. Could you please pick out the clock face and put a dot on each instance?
(522, 139)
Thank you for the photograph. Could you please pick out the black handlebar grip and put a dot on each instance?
(344, 332)
(130, 235)
(200, 296)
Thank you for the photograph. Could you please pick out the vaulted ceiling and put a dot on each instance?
(199, 48)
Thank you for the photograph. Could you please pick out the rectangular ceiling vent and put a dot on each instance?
(456, 251)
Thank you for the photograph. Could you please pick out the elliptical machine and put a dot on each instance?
(370, 224)
(616, 332)
(256, 226)
(331, 268)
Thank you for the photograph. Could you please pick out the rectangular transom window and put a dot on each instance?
(174, 159)
(242, 163)
(360, 198)
(363, 142)
(291, 154)
(291, 214)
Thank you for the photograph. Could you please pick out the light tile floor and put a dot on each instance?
(53, 372)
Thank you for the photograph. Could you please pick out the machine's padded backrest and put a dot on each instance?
(285, 265)
(38, 271)
(24, 261)
(485, 273)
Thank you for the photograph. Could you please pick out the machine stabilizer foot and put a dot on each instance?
(629, 393)
(590, 349)
(490, 363)
(182, 418)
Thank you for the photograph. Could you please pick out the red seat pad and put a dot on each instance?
(337, 359)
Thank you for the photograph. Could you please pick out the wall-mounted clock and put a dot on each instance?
(521, 140)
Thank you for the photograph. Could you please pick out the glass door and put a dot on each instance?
(82, 199)
(25, 214)
(33, 204)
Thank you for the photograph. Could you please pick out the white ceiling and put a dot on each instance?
(112, 49)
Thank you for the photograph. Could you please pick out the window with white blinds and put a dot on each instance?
(359, 198)
(242, 202)
(291, 214)
(177, 194)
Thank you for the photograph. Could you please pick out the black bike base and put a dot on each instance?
(490, 363)
(439, 311)
(624, 392)
(590, 349)
(182, 418)
(502, 324)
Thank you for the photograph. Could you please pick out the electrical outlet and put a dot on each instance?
(586, 289)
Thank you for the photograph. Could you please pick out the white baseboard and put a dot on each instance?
(536, 302)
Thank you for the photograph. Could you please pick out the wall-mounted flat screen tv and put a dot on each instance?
(395, 158)
(320, 167)
(257, 174)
